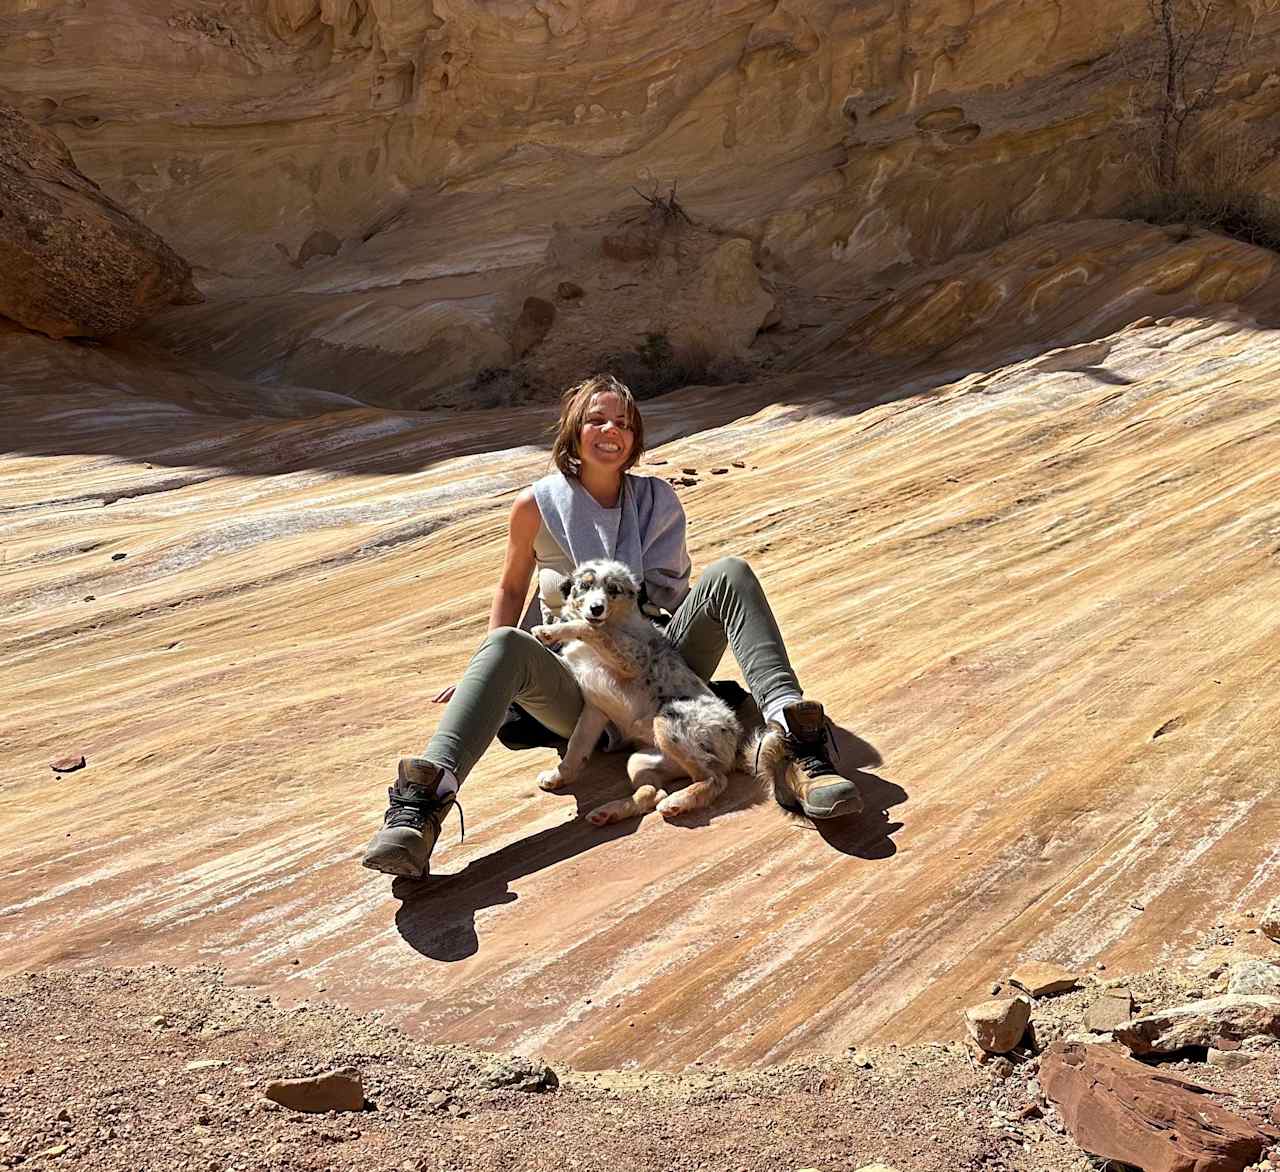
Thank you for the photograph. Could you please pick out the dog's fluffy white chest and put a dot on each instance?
(600, 689)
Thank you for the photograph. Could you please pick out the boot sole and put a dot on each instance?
(842, 809)
(394, 862)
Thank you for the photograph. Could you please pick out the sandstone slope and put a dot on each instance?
(1037, 572)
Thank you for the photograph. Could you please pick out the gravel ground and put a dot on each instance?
(151, 1068)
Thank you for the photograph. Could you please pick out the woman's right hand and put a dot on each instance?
(444, 696)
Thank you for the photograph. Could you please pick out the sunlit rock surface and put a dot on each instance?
(1019, 517)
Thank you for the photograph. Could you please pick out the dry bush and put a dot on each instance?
(1218, 185)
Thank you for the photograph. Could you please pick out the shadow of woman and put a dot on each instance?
(437, 914)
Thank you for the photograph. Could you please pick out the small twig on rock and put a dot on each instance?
(669, 208)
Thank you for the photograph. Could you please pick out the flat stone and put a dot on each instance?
(336, 1090)
(1121, 1110)
(68, 764)
(1041, 978)
(998, 1025)
(207, 1064)
(1111, 1011)
(1253, 976)
(1230, 1059)
(1202, 1023)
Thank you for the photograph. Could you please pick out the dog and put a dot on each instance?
(632, 675)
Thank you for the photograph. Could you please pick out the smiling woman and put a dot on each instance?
(593, 507)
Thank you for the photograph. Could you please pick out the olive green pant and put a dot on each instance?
(727, 608)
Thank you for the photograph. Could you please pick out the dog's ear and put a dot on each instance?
(566, 587)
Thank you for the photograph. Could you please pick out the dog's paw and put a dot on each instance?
(545, 635)
(685, 801)
(551, 779)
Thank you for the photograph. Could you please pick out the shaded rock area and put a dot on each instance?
(1119, 1109)
(72, 261)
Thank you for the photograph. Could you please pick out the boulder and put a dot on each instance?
(1120, 1110)
(336, 1090)
(1113, 1010)
(1252, 976)
(73, 263)
(1202, 1023)
(1040, 978)
(1270, 924)
(998, 1025)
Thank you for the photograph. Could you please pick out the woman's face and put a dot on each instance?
(606, 439)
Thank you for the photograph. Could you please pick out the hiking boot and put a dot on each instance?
(411, 825)
(815, 788)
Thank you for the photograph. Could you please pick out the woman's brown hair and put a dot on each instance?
(573, 414)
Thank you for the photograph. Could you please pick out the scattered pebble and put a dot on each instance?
(118, 557)
(68, 764)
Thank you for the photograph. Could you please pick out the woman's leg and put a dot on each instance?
(728, 608)
(510, 665)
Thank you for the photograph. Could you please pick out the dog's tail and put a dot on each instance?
(764, 758)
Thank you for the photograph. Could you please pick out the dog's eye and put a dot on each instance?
(612, 591)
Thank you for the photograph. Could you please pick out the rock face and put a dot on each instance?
(998, 1025)
(1202, 1023)
(72, 262)
(1121, 1110)
(396, 172)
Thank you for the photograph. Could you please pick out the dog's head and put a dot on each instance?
(601, 591)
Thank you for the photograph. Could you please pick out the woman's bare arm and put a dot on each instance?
(517, 569)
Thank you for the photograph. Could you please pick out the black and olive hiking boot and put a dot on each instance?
(813, 786)
(411, 825)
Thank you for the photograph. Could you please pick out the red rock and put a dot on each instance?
(338, 1090)
(1120, 1110)
(68, 764)
(73, 262)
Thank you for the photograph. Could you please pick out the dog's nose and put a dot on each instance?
(597, 609)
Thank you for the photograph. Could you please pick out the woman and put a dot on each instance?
(592, 507)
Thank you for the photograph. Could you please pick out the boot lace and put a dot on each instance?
(812, 756)
(412, 811)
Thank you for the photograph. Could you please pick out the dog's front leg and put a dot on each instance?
(586, 735)
(623, 654)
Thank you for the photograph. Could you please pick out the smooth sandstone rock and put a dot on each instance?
(998, 1025)
(72, 261)
(336, 1090)
(1041, 978)
(1121, 1110)
(1202, 1023)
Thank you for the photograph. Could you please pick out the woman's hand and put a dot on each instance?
(444, 696)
